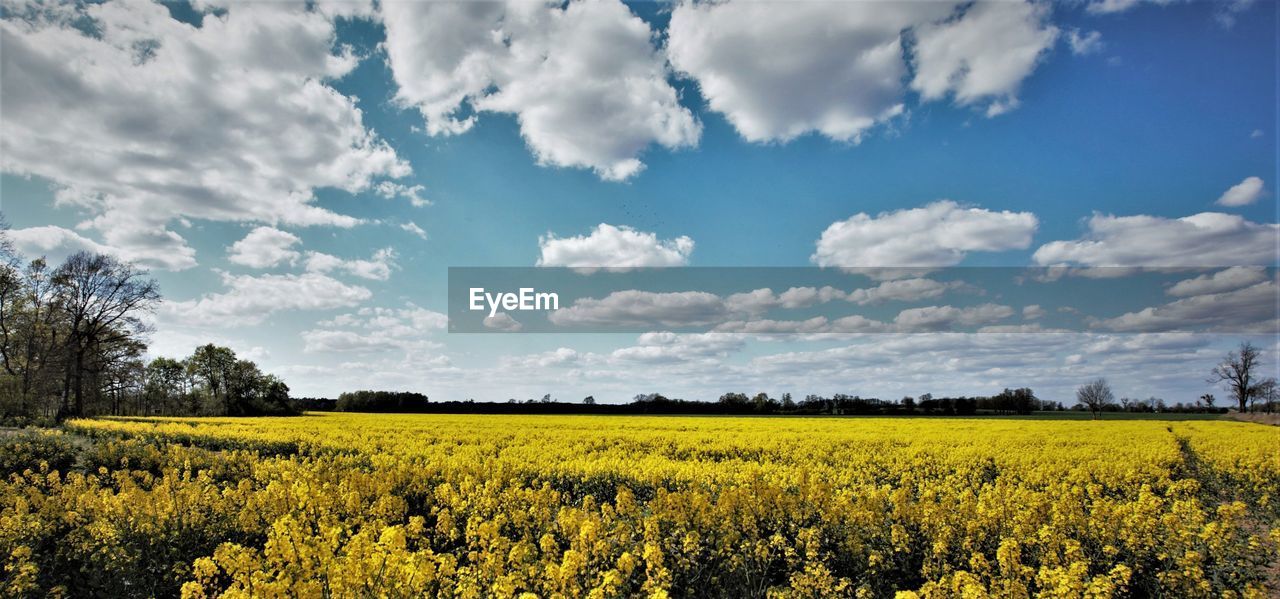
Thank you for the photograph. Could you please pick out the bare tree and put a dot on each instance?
(1236, 373)
(1096, 395)
(1264, 391)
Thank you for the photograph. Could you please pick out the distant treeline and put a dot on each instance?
(381, 401)
(1009, 401)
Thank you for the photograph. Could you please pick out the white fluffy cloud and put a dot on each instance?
(984, 55)
(941, 318)
(584, 80)
(374, 329)
(503, 322)
(265, 247)
(1243, 193)
(610, 246)
(1251, 308)
(249, 300)
(57, 243)
(377, 268)
(777, 71)
(643, 308)
(1228, 279)
(903, 290)
(938, 234)
(141, 120)
(1205, 239)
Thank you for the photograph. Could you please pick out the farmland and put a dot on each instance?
(340, 505)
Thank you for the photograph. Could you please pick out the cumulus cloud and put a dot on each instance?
(1228, 279)
(668, 347)
(101, 100)
(503, 322)
(56, 243)
(1243, 193)
(764, 299)
(584, 80)
(1249, 309)
(836, 68)
(265, 247)
(413, 193)
(903, 290)
(1205, 239)
(941, 318)
(610, 246)
(938, 234)
(249, 300)
(643, 308)
(376, 329)
(377, 268)
(984, 55)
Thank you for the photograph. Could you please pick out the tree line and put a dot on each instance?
(1238, 372)
(72, 344)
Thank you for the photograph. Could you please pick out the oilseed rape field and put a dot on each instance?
(346, 505)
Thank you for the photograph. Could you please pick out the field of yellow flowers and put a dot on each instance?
(344, 505)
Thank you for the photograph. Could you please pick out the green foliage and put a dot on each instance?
(381, 401)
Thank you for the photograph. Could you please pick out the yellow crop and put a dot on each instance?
(344, 505)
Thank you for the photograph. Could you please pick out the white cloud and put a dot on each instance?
(413, 227)
(984, 55)
(57, 243)
(837, 68)
(938, 234)
(249, 300)
(413, 193)
(265, 247)
(1228, 279)
(1243, 193)
(503, 322)
(1251, 308)
(1256, 134)
(643, 308)
(904, 290)
(376, 329)
(668, 347)
(779, 71)
(937, 318)
(610, 246)
(142, 120)
(764, 299)
(1116, 6)
(584, 81)
(1083, 43)
(1033, 312)
(377, 268)
(1205, 239)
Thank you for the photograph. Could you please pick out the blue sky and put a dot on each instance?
(1132, 114)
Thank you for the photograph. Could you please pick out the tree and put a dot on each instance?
(1095, 395)
(1207, 399)
(103, 299)
(1265, 391)
(589, 400)
(1236, 373)
(212, 366)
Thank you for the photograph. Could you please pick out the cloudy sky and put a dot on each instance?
(299, 177)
